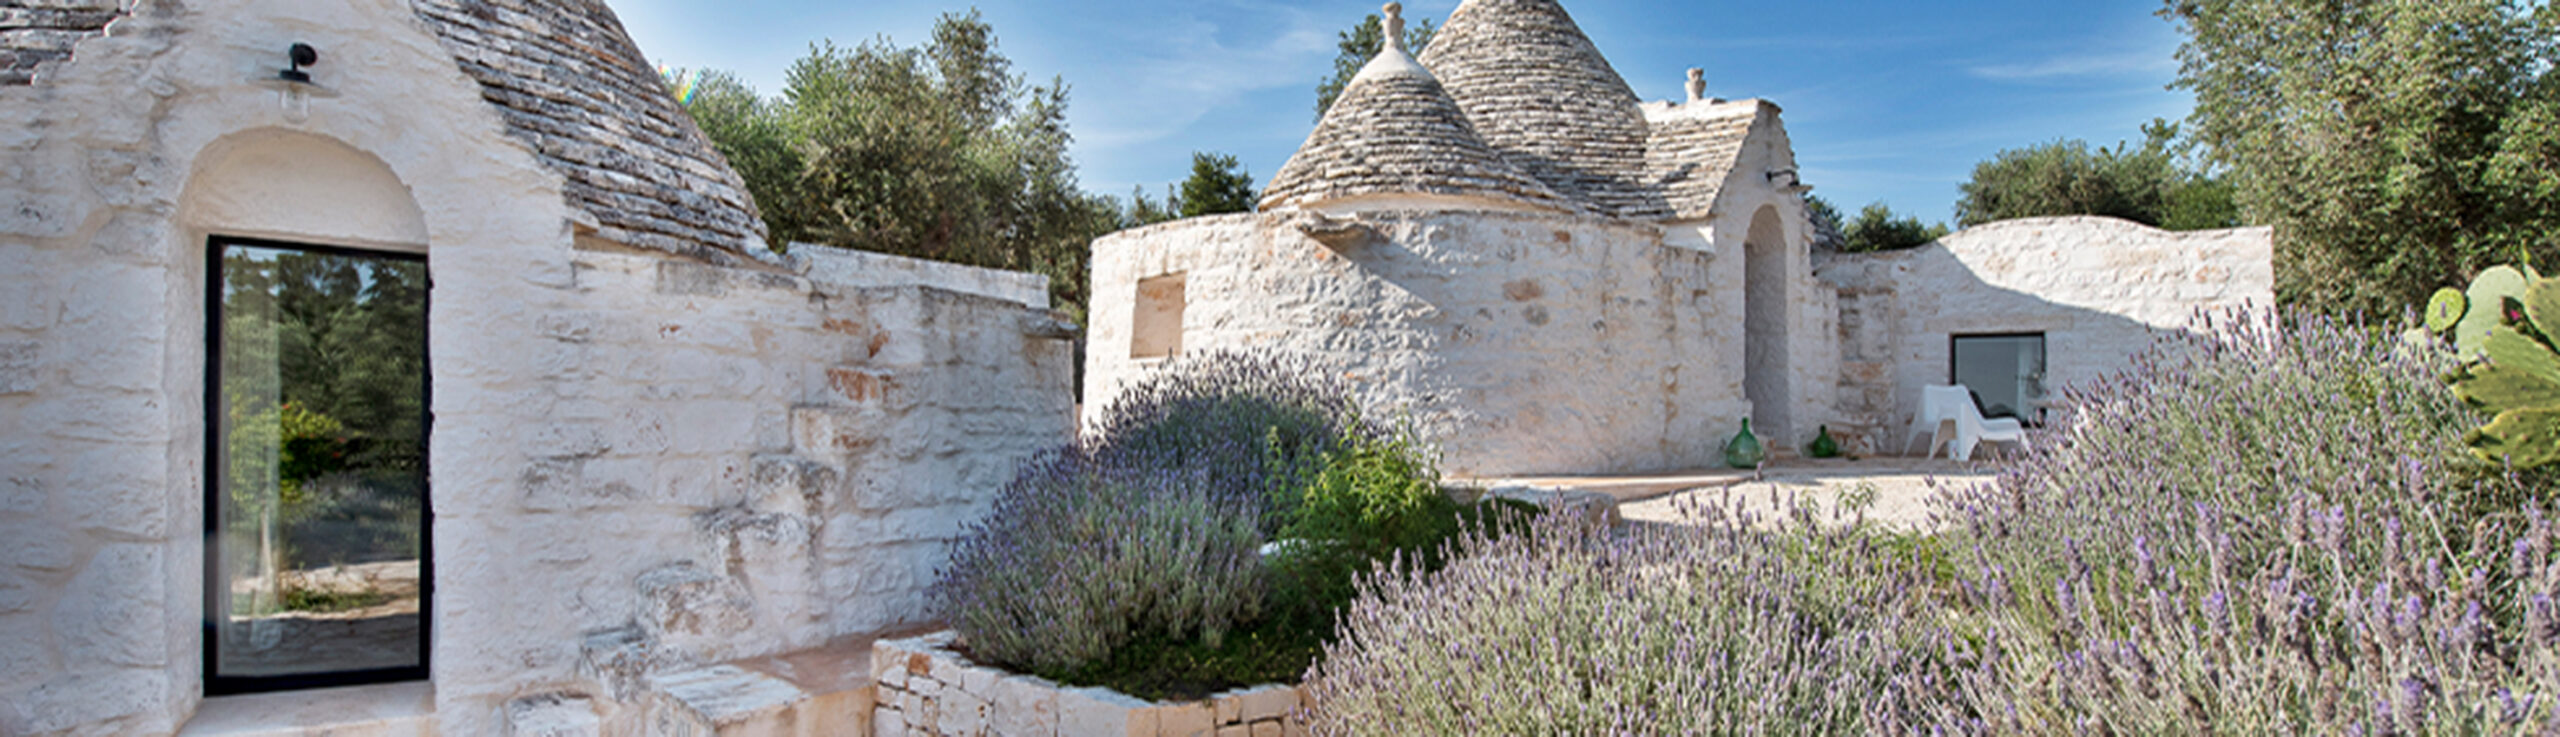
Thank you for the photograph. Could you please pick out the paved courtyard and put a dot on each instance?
(1896, 490)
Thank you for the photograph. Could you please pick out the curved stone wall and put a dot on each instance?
(2099, 289)
(1520, 343)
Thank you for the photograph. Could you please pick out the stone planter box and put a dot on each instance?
(926, 689)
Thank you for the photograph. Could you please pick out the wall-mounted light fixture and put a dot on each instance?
(294, 86)
(302, 55)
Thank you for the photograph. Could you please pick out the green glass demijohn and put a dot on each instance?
(1823, 446)
(1744, 450)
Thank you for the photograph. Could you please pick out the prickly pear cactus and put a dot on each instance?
(2489, 300)
(2511, 369)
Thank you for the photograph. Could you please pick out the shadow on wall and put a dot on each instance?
(2097, 291)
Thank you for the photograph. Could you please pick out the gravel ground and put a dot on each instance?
(1897, 489)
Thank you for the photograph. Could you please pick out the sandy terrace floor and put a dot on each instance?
(1899, 496)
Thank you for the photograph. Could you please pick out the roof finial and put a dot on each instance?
(1395, 27)
(1697, 84)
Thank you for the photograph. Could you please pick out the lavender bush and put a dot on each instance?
(2268, 527)
(1247, 421)
(1078, 558)
(2272, 531)
(1715, 628)
(1130, 558)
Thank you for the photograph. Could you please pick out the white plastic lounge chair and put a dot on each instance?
(1953, 421)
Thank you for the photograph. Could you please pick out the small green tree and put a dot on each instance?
(2147, 185)
(1218, 184)
(940, 151)
(1877, 228)
(1356, 47)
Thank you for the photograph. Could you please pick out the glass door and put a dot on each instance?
(2005, 372)
(316, 516)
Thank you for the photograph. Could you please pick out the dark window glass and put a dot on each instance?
(317, 414)
(2005, 372)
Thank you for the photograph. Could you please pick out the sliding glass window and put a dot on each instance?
(316, 521)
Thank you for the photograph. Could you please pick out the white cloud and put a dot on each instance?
(2150, 61)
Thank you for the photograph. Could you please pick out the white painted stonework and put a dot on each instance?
(1521, 343)
(643, 464)
(2099, 289)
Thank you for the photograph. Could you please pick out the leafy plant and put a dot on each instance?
(2504, 332)
(1136, 559)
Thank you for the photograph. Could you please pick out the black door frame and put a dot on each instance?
(214, 580)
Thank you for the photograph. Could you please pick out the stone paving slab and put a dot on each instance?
(1901, 489)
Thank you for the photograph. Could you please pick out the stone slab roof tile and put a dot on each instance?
(34, 33)
(1538, 91)
(1395, 131)
(569, 82)
(1688, 157)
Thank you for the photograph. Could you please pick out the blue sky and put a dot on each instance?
(1891, 100)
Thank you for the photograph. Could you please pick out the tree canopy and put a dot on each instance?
(1876, 228)
(940, 151)
(1218, 184)
(2148, 185)
(2396, 147)
(1356, 47)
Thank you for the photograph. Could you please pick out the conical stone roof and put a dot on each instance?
(1394, 131)
(1538, 91)
(569, 82)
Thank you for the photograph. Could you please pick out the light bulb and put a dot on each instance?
(297, 103)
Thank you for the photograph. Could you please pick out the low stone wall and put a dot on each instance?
(927, 689)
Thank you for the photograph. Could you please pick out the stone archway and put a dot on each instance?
(1765, 350)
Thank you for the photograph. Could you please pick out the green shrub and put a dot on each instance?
(1133, 560)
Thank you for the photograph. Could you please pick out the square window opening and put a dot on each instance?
(1157, 329)
(2004, 371)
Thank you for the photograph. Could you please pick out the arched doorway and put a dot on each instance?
(1764, 320)
(317, 565)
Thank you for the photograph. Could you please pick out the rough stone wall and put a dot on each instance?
(1522, 343)
(2098, 288)
(737, 462)
(639, 461)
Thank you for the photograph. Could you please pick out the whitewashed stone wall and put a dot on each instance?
(640, 463)
(2099, 288)
(1522, 343)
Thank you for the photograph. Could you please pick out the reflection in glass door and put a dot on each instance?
(2005, 372)
(316, 521)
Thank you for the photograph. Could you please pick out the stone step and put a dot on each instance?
(815, 693)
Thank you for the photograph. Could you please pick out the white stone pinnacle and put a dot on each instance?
(1697, 84)
(1393, 58)
(1395, 27)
